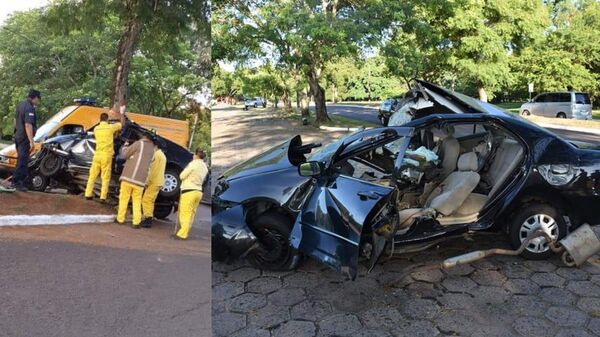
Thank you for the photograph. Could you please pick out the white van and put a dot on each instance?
(565, 104)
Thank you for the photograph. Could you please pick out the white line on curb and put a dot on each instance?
(57, 219)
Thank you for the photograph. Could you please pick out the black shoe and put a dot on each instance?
(147, 223)
(136, 226)
(89, 198)
(176, 237)
(102, 201)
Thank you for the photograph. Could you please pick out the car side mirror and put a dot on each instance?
(311, 169)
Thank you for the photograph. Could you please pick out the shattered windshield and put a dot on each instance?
(44, 131)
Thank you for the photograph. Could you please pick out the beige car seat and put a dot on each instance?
(448, 196)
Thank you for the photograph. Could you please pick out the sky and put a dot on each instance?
(9, 6)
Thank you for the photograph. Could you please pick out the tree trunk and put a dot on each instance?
(482, 94)
(304, 102)
(127, 46)
(318, 94)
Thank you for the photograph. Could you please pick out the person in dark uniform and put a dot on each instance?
(25, 126)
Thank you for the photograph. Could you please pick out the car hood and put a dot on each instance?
(274, 159)
(427, 98)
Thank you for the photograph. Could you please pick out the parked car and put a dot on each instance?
(387, 109)
(566, 104)
(460, 165)
(254, 102)
(65, 161)
(83, 115)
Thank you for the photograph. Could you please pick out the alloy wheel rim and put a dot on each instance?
(36, 181)
(170, 183)
(538, 221)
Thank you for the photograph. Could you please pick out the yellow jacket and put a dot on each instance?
(104, 134)
(156, 175)
(193, 175)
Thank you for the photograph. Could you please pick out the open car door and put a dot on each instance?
(329, 227)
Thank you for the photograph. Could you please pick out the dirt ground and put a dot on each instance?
(37, 203)
(238, 135)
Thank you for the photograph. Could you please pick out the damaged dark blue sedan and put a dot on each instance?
(447, 165)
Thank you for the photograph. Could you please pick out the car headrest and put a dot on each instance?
(443, 132)
(468, 162)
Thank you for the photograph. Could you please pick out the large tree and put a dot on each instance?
(157, 18)
(45, 49)
(301, 36)
(470, 41)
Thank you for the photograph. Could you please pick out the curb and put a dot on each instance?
(56, 219)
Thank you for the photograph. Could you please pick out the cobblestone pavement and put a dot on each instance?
(499, 296)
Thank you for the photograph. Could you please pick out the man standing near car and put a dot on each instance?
(104, 134)
(156, 179)
(25, 126)
(133, 179)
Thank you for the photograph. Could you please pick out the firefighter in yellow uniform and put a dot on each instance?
(156, 179)
(192, 178)
(133, 179)
(104, 134)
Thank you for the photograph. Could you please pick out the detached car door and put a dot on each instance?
(329, 227)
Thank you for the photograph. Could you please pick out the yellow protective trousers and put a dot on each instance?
(188, 204)
(101, 165)
(130, 191)
(150, 194)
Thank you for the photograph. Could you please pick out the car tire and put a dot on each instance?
(50, 165)
(530, 217)
(172, 183)
(561, 115)
(38, 182)
(255, 106)
(525, 113)
(162, 211)
(273, 231)
(245, 108)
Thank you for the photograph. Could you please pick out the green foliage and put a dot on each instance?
(68, 51)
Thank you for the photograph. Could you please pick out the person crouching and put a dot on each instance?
(133, 179)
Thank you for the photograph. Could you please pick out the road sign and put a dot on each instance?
(530, 87)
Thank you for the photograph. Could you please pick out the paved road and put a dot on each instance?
(105, 280)
(369, 114)
(498, 297)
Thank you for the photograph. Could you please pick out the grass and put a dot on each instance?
(339, 121)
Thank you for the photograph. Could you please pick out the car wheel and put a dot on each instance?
(255, 105)
(162, 211)
(245, 108)
(532, 217)
(50, 165)
(525, 113)
(172, 183)
(275, 251)
(561, 115)
(39, 182)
